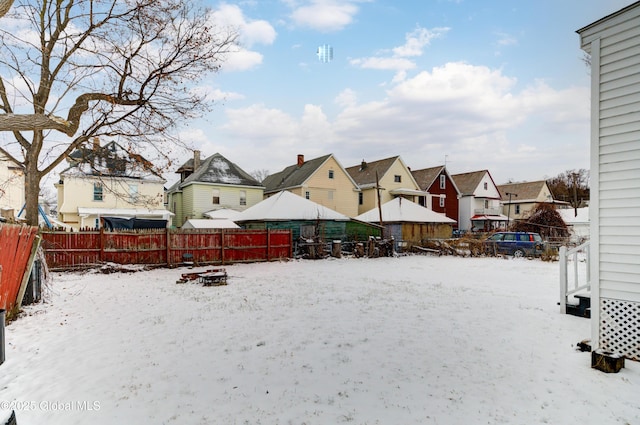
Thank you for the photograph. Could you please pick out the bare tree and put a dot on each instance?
(260, 175)
(122, 69)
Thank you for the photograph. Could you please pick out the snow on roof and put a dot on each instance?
(569, 215)
(223, 213)
(125, 212)
(403, 210)
(288, 206)
(207, 223)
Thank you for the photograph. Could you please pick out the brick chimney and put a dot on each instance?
(96, 144)
(300, 160)
(196, 160)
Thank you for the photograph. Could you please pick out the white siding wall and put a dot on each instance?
(614, 45)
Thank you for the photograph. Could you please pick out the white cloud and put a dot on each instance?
(473, 114)
(250, 33)
(415, 43)
(324, 15)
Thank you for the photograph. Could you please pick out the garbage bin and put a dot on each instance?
(2, 314)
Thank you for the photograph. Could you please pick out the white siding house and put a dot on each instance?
(614, 45)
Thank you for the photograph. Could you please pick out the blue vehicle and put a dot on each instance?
(518, 244)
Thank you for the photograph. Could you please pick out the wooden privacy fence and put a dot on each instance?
(17, 251)
(66, 250)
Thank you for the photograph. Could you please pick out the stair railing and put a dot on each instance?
(574, 254)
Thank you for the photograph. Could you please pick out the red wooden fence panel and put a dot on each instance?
(165, 247)
(16, 242)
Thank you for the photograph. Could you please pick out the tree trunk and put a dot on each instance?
(31, 192)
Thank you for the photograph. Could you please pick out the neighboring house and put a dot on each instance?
(108, 181)
(442, 193)
(306, 219)
(321, 180)
(409, 222)
(480, 209)
(211, 184)
(388, 177)
(11, 186)
(519, 199)
(613, 44)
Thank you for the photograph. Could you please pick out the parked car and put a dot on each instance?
(517, 244)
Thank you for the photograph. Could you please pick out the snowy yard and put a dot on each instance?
(409, 340)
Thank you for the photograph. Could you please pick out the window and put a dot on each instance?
(517, 209)
(97, 191)
(243, 197)
(397, 178)
(360, 198)
(486, 185)
(443, 181)
(331, 174)
(486, 204)
(442, 201)
(133, 193)
(307, 195)
(215, 197)
(330, 195)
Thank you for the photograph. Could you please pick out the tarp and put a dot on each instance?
(112, 223)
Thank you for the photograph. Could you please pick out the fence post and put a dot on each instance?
(101, 255)
(268, 244)
(222, 246)
(563, 279)
(168, 246)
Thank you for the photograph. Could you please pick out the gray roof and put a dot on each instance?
(218, 170)
(427, 176)
(293, 175)
(526, 191)
(365, 173)
(467, 183)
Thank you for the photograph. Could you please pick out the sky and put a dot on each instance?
(496, 85)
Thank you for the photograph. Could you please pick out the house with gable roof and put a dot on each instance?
(211, 184)
(11, 185)
(109, 181)
(322, 180)
(390, 177)
(519, 199)
(480, 209)
(441, 191)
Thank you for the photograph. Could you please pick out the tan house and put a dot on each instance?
(11, 186)
(209, 185)
(518, 199)
(389, 177)
(108, 181)
(322, 180)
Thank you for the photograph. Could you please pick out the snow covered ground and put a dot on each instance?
(409, 340)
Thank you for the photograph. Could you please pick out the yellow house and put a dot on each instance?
(107, 181)
(11, 185)
(322, 180)
(210, 185)
(519, 199)
(389, 177)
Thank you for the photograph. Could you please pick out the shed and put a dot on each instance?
(578, 222)
(409, 222)
(303, 217)
(204, 223)
(613, 43)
